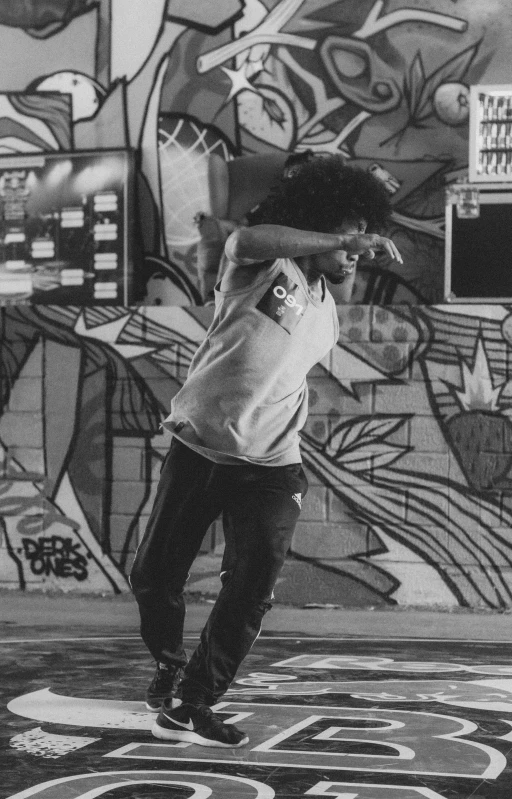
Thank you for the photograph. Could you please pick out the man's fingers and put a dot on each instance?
(395, 253)
(388, 246)
(392, 250)
(367, 243)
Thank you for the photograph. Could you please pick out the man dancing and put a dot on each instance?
(235, 425)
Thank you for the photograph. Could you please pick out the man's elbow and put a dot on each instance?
(238, 248)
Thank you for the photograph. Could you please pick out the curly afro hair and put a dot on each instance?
(323, 192)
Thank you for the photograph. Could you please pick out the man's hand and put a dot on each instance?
(366, 244)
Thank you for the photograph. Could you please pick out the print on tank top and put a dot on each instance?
(285, 302)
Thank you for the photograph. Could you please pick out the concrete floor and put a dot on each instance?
(356, 686)
(71, 613)
(339, 717)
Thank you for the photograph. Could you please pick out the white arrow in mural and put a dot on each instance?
(46, 706)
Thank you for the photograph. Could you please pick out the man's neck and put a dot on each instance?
(308, 268)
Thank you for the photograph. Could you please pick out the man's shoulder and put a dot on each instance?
(237, 277)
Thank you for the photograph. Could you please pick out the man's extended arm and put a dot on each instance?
(249, 245)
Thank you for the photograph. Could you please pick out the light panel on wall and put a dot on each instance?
(490, 134)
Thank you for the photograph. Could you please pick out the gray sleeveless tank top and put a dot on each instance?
(246, 397)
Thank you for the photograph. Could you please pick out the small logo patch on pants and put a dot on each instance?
(298, 499)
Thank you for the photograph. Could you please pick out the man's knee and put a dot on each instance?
(147, 584)
(249, 592)
(268, 567)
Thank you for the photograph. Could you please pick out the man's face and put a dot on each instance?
(331, 263)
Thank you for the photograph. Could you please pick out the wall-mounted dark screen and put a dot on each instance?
(65, 228)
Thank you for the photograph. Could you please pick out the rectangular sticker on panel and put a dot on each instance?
(284, 301)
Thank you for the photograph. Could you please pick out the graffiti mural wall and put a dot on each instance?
(408, 446)
(408, 449)
(384, 82)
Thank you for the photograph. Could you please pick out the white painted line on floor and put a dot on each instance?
(69, 640)
(299, 638)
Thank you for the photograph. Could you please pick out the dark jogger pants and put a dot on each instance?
(259, 515)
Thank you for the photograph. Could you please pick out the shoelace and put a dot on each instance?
(213, 720)
(206, 713)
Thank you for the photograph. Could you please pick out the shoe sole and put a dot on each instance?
(191, 737)
(153, 709)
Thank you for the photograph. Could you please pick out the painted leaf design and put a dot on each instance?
(371, 457)
(452, 70)
(273, 110)
(363, 431)
(470, 546)
(415, 81)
